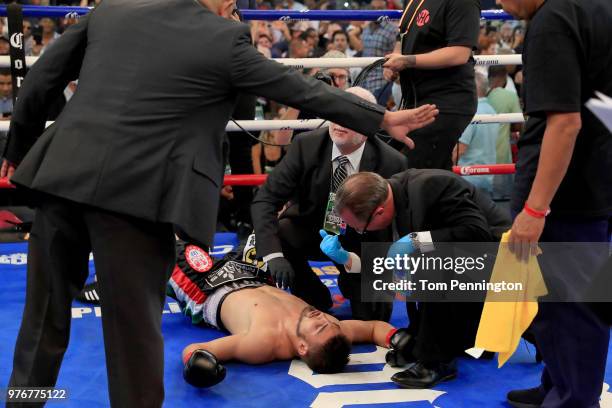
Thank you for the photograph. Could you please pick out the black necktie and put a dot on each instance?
(340, 173)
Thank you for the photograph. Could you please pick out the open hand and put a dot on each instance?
(399, 124)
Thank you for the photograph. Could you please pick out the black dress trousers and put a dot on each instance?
(133, 260)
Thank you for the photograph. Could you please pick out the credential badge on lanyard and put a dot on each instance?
(332, 222)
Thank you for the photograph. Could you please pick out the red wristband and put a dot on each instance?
(535, 213)
(389, 335)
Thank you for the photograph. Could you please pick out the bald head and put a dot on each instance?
(362, 93)
(345, 139)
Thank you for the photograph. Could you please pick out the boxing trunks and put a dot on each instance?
(200, 284)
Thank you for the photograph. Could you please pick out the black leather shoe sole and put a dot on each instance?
(419, 385)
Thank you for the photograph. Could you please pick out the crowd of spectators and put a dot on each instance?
(304, 39)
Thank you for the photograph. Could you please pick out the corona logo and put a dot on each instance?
(17, 40)
(467, 170)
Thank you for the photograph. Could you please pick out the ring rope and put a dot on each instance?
(267, 15)
(355, 62)
(259, 179)
(310, 124)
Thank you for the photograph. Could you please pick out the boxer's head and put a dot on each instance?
(365, 202)
(321, 344)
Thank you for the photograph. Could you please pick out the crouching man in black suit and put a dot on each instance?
(315, 165)
(426, 207)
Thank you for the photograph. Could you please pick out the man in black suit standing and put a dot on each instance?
(139, 148)
(304, 180)
(426, 207)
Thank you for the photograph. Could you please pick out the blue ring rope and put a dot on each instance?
(269, 15)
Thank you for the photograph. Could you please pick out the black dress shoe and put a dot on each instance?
(529, 398)
(420, 376)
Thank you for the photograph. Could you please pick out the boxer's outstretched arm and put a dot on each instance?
(241, 347)
(374, 331)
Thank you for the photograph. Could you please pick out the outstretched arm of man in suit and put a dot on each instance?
(44, 83)
(280, 186)
(253, 73)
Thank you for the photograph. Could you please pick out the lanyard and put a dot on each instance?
(416, 10)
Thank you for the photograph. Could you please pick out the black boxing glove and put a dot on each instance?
(281, 271)
(203, 370)
(401, 343)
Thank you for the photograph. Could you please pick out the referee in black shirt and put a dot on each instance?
(563, 188)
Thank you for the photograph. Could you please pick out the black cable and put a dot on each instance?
(252, 136)
(360, 78)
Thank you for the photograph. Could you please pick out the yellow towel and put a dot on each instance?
(503, 322)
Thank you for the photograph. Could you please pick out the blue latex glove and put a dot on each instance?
(402, 246)
(330, 245)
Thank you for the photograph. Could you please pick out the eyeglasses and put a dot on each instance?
(367, 224)
(342, 78)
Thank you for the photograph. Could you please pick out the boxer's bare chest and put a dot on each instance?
(260, 309)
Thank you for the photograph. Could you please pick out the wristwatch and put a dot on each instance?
(422, 241)
(414, 237)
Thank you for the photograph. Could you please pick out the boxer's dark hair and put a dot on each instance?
(331, 357)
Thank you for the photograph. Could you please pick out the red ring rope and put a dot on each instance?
(481, 169)
(259, 179)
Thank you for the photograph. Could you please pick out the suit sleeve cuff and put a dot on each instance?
(273, 255)
(355, 263)
(425, 241)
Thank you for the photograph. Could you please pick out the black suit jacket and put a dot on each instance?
(304, 177)
(144, 133)
(445, 204)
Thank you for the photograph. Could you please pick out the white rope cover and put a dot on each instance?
(486, 60)
(306, 124)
